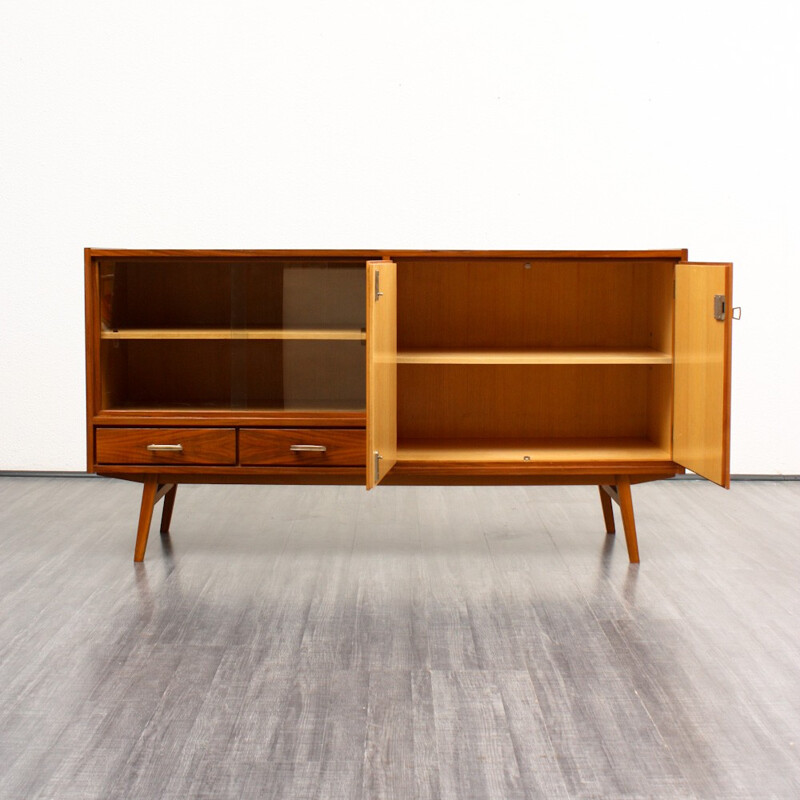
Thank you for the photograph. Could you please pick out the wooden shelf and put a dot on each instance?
(325, 334)
(272, 417)
(582, 355)
(354, 405)
(538, 450)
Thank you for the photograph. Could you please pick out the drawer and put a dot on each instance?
(166, 445)
(319, 447)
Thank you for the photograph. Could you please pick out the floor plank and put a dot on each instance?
(429, 643)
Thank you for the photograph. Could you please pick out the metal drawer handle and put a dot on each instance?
(165, 448)
(308, 448)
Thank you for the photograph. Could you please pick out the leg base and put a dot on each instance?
(152, 492)
(608, 509)
(621, 494)
(169, 504)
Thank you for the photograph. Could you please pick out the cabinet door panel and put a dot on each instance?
(381, 370)
(701, 435)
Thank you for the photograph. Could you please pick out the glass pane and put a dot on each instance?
(165, 339)
(167, 294)
(305, 326)
(306, 375)
(244, 334)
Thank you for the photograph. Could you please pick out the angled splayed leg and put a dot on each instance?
(608, 509)
(152, 492)
(626, 506)
(169, 504)
(621, 494)
(145, 517)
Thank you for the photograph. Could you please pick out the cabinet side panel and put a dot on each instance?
(703, 371)
(661, 307)
(660, 304)
(92, 323)
(659, 406)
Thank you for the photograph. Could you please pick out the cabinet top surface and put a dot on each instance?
(677, 254)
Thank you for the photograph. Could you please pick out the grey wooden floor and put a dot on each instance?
(323, 642)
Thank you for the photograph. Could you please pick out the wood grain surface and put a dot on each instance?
(231, 333)
(438, 643)
(464, 401)
(703, 370)
(343, 446)
(198, 445)
(381, 450)
(585, 355)
(233, 254)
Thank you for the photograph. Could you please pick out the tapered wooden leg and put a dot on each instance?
(626, 507)
(145, 517)
(169, 504)
(608, 510)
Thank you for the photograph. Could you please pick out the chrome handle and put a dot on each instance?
(308, 448)
(165, 448)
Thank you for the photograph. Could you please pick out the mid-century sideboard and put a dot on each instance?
(604, 368)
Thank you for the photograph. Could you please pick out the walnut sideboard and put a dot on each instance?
(604, 368)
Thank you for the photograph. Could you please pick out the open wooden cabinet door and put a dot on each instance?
(381, 370)
(701, 433)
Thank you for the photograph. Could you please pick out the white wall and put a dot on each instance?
(406, 124)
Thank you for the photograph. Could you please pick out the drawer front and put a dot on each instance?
(166, 445)
(319, 447)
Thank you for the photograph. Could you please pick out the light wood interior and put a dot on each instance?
(545, 449)
(562, 304)
(382, 393)
(531, 401)
(702, 370)
(554, 357)
(659, 406)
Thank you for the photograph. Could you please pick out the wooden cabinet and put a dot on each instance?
(406, 367)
